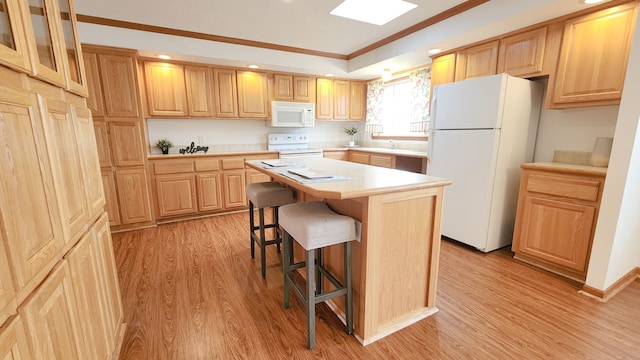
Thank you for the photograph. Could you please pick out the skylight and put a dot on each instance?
(377, 12)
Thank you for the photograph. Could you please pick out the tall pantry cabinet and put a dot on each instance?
(59, 294)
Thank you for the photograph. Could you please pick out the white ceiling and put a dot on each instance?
(305, 24)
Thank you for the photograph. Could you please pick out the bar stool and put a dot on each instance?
(264, 195)
(314, 226)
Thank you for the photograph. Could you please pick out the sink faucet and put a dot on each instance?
(391, 144)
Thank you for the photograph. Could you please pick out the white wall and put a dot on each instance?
(616, 246)
(242, 135)
(572, 129)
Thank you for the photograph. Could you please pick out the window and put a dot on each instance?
(399, 108)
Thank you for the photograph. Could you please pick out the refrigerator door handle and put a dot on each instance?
(430, 137)
(432, 126)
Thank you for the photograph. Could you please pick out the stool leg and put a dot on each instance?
(348, 299)
(286, 262)
(276, 229)
(251, 222)
(311, 300)
(263, 247)
(318, 272)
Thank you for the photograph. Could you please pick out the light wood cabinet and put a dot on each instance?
(209, 191)
(234, 189)
(556, 218)
(95, 101)
(30, 215)
(593, 57)
(7, 290)
(50, 318)
(225, 92)
(253, 176)
(336, 154)
(476, 61)
(282, 87)
(252, 94)
(120, 89)
(68, 178)
(111, 197)
(14, 48)
(176, 194)
(359, 157)
(522, 54)
(165, 85)
(443, 70)
(13, 340)
(133, 196)
(358, 100)
(293, 87)
(102, 142)
(387, 161)
(324, 99)
(341, 94)
(198, 86)
(72, 58)
(126, 143)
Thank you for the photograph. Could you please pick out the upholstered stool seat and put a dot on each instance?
(314, 226)
(266, 195)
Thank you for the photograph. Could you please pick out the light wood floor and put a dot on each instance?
(192, 291)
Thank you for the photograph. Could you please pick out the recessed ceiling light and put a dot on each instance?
(164, 57)
(328, 74)
(253, 66)
(435, 51)
(377, 12)
(588, 2)
(386, 74)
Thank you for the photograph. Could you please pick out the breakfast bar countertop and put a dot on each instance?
(362, 180)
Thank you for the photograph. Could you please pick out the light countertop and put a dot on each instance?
(398, 152)
(567, 168)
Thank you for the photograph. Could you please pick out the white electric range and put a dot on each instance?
(291, 146)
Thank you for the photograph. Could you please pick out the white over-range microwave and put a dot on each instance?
(292, 114)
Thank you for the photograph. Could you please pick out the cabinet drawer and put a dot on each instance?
(207, 165)
(381, 160)
(566, 187)
(359, 158)
(233, 163)
(173, 167)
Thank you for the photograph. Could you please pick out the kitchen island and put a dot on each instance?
(395, 263)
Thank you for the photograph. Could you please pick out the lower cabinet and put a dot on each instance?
(209, 192)
(234, 189)
(336, 154)
(556, 218)
(133, 197)
(176, 194)
(13, 340)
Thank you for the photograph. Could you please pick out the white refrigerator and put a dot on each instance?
(480, 131)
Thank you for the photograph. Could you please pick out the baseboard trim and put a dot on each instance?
(611, 291)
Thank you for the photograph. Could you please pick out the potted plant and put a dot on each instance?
(164, 145)
(351, 131)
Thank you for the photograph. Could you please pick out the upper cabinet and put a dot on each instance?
(199, 94)
(166, 95)
(443, 70)
(92, 69)
(340, 99)
(593, 57)
(358, 100)
(293, 88)
(226, 90)
(119, 85)
(72, 55)
(522, 54)
(324, 99)
(477, 61)
(14, 49)
(252, 94)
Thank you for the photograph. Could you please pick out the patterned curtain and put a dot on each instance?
(375, 90)
(421, 88)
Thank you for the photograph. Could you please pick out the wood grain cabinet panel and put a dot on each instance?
(14, 48)
(13, 341)
(556, 219)
(198, 85)
(304, 88)
(234, 184)
(387, 161)
(522, 54)
(324, 99)
(111, 197)
(341, 97)
(76, 80)
(95, 98)
(88, 293)
(102, 143)
(126, 143)
(165, 87)
(252, 94)
(477, 61)
(89, 158)
(443, 70)
(254, 176)
(7, 290)
(593, 57)
(133, 195)
(67, 167)
(176, 194)
(358, 100)
(282, 87)
(225, 93)
(119, 82)
(336, 154)
(358, 157)
(50, 318)
(31, 220)
(209, 192)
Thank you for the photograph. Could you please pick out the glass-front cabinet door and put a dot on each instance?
(45, 50)
(14, 51)
(76, 80)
